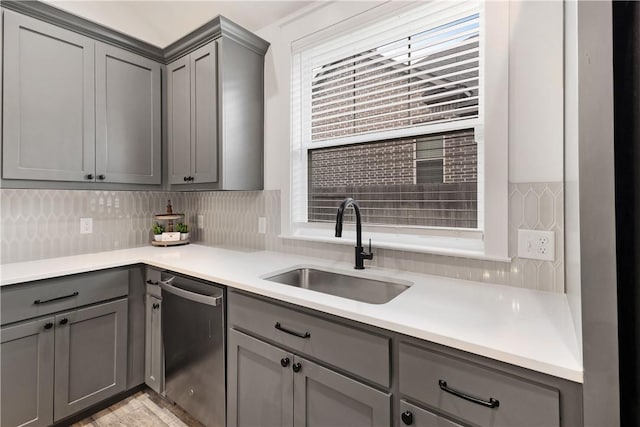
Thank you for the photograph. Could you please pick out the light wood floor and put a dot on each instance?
(143, 409)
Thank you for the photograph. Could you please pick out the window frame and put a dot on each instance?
(490, 240)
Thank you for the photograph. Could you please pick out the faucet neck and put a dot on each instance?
(339, 218)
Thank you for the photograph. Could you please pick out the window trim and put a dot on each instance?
(492, 176)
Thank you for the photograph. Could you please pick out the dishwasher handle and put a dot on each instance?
(191, 296)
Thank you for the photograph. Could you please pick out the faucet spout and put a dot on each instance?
(361, 255)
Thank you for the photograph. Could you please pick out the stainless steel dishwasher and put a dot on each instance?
(193, 335)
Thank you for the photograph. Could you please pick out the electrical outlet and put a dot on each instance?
(86, 225)
(535, 244)
(200, 222)
(262, 225)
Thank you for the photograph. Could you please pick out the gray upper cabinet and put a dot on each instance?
(48, 104)
(241, 116)
(128, 129)
(204, 116)
(179, 120)
(215, 113)
(192, 117)
(90, 356)
(26, 357)
(84, 104)
(77, 110)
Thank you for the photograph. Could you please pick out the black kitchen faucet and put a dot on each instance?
(361, 255)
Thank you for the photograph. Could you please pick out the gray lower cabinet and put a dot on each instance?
(154, 363)
(128, 129)
(90, 356)
(26, 389)
(472, 393)
(64, 345)
(48, 102)
(259, 383)
(412, 415)
(268, 386)
(325, 398)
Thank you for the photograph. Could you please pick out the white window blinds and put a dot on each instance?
(389, 113)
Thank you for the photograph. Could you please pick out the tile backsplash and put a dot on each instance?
(36, 224)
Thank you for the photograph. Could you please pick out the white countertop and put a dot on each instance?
(527, 328)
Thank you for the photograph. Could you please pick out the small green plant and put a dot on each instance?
(158, 228)
(182, 228)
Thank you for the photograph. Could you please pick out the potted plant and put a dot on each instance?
(183, 229)
(158, 229)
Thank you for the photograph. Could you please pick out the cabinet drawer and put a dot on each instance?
(358, 352)
(27, 300)
(520, 403)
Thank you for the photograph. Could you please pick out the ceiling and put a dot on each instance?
(162, 22)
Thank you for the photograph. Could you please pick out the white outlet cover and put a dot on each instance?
(536, 244)
(262, 225)
(86, 225)
(200, 221)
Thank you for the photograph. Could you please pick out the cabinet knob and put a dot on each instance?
(284, 362)
(407, 418)
(156, 305)
(191, 179)
(186, 178)
(296, 367)
(101, 177)
(90, 176)
(48, 325)
(64, 321)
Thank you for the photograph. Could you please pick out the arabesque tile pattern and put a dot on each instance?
(36, 224)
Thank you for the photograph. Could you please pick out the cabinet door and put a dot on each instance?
(259, 383)
(412, 415)
(91, 356)
(128, 139)
(48, 102)
(204, 114)
(325, 398)
(154, 365)
(179, 120)
(26, 356)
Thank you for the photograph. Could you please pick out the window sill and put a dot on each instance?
(444, 246)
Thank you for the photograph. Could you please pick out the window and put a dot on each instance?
(391, 113)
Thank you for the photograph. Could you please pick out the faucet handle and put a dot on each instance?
(368, 255)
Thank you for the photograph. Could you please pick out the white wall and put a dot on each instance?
(536, 81)
(535, 87)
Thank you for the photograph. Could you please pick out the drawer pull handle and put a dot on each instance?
(38, 301)
(64, 321)
(279, 327)
(491, 403)
(48, 325)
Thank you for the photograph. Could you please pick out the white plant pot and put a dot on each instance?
(157, 237)
(184, 236)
